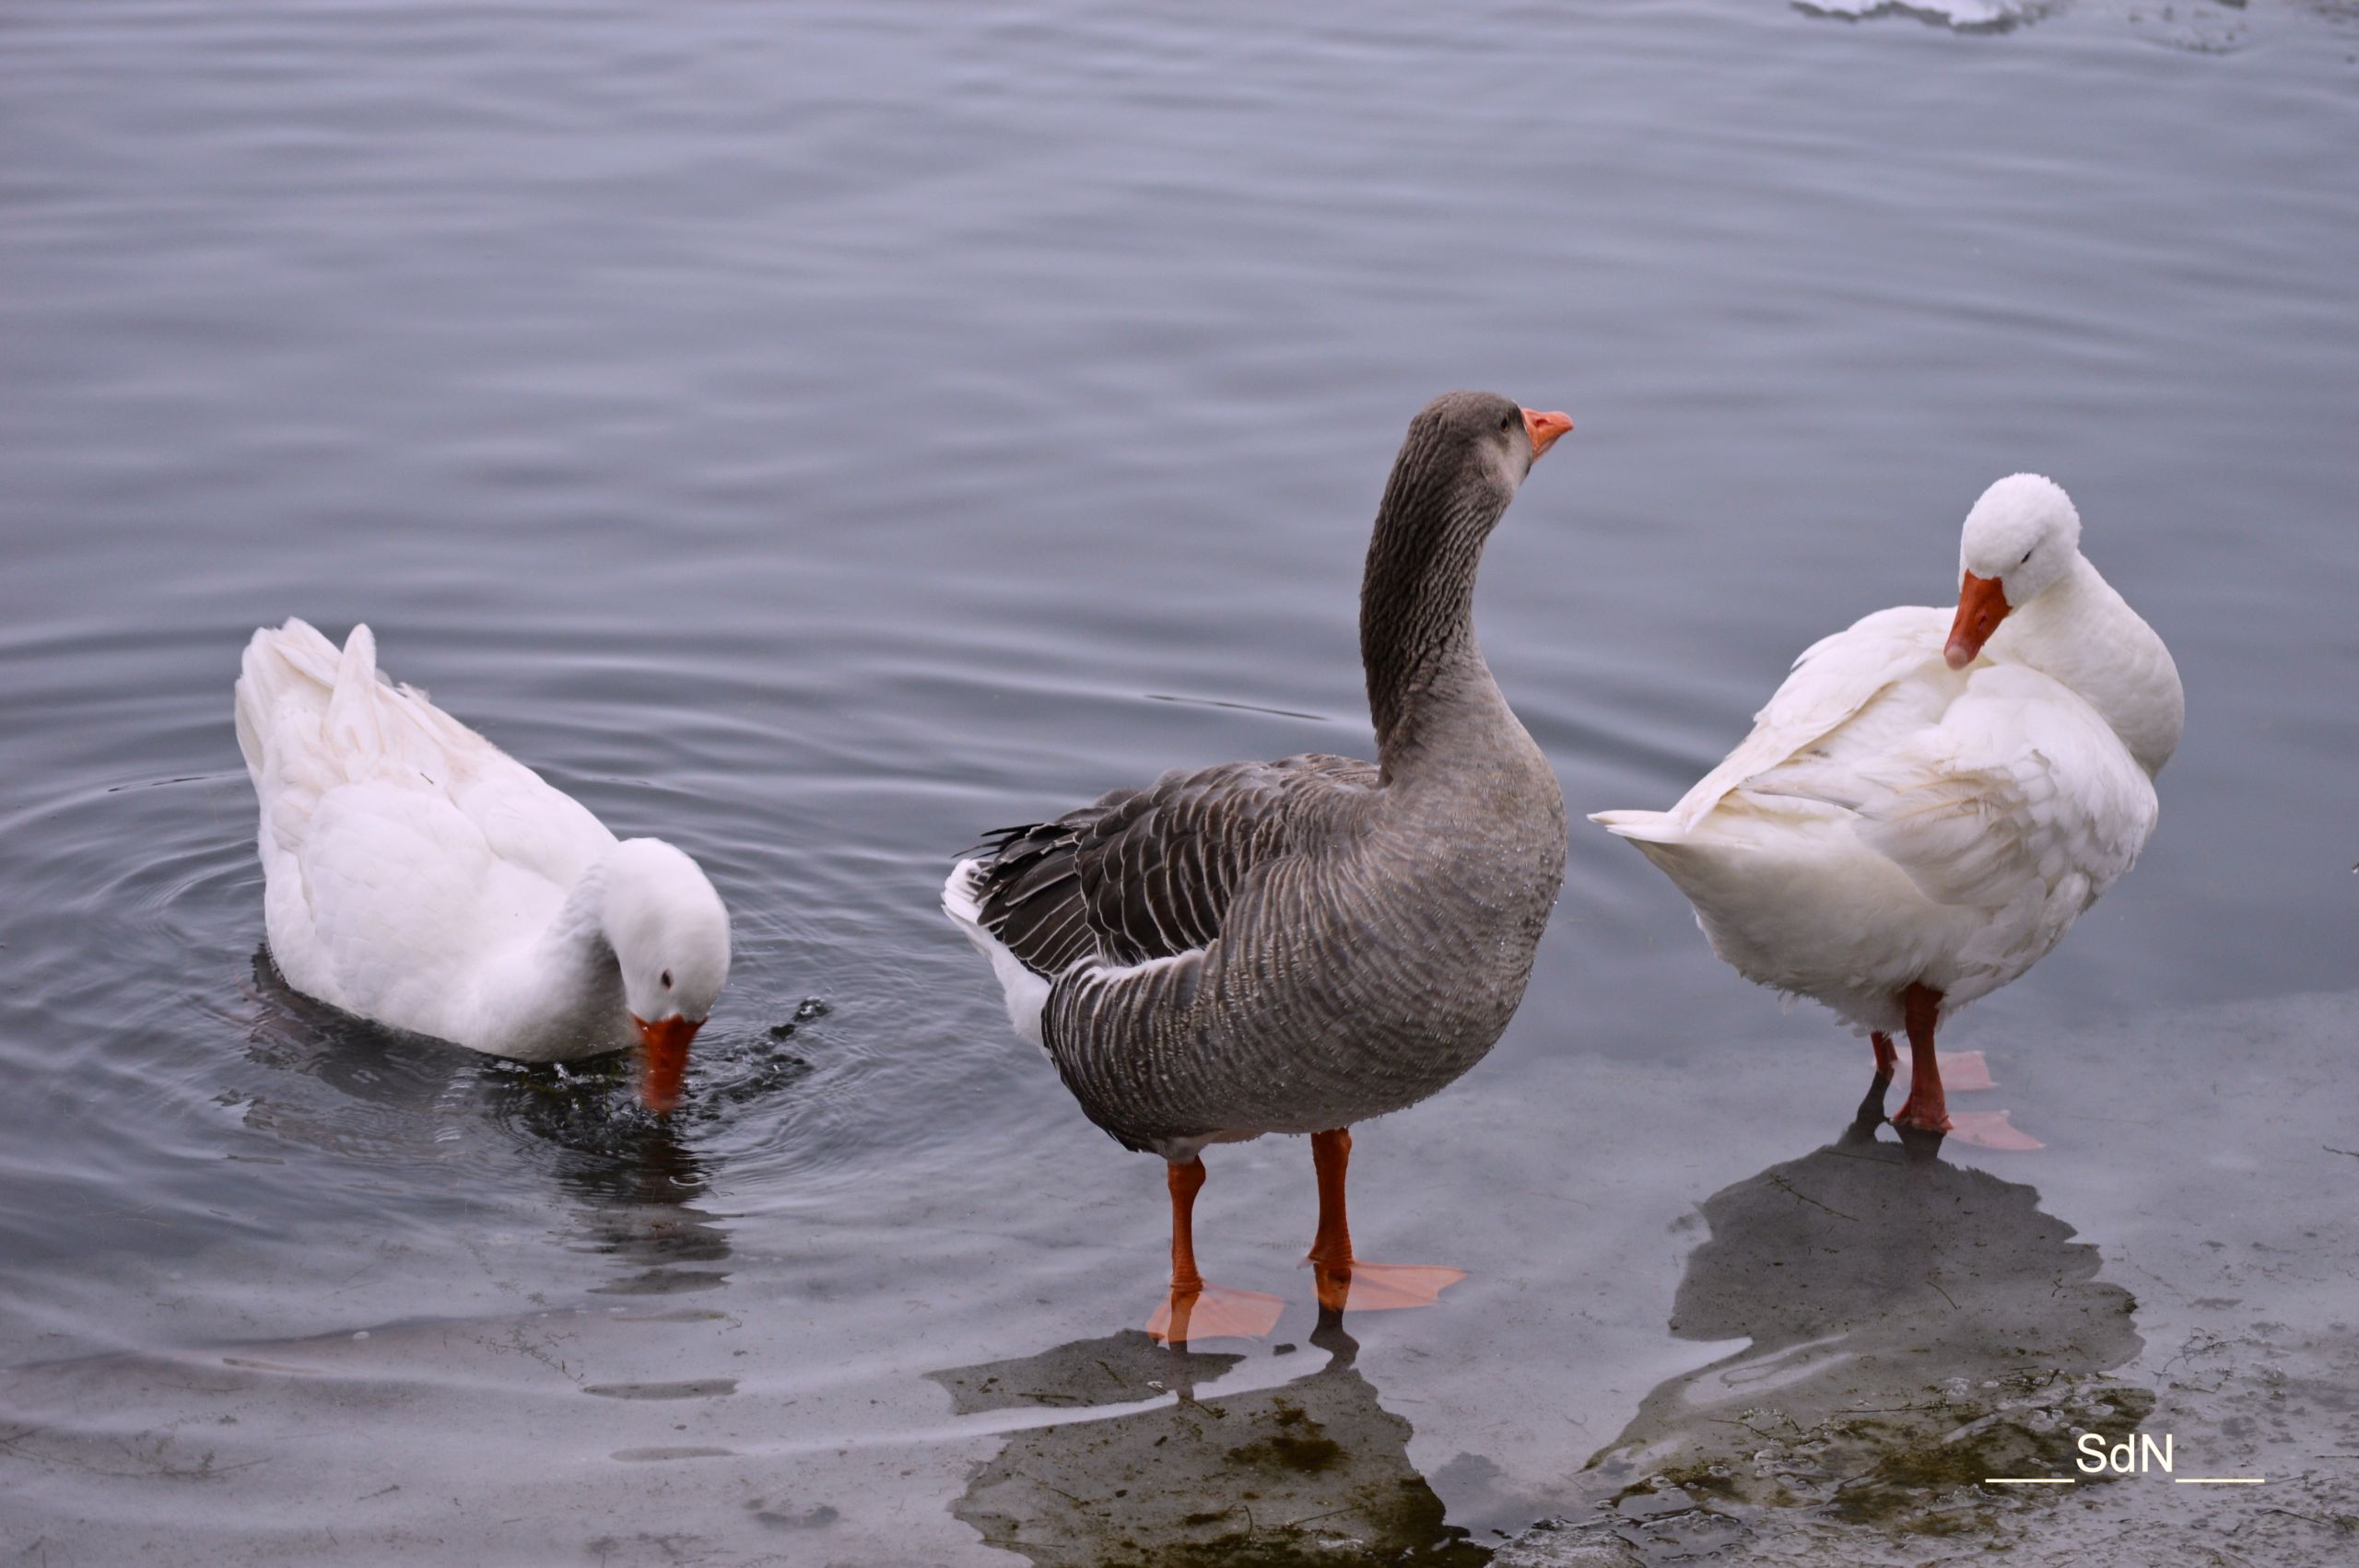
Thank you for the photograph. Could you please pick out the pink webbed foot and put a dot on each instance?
(1964, 1069)
(1361, 1286)
(1990, 1129)
(1214, 1312)
(1345, 1284)
(1193, 1309)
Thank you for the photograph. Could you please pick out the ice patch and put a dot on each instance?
(1963, 15)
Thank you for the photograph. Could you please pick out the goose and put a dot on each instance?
(1932, 799)
(415, 875)
(1296, 946)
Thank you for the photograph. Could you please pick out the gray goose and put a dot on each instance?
(1294, 946)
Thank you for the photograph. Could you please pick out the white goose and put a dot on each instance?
(1928, 801)
(417, 875)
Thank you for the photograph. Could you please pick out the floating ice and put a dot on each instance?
(1963, 15)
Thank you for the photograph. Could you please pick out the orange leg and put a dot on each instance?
(1194, 1309)
(1927, 1110)
(1185, 1182)
(1330, 1156)
(1924, 1110)
(1343, 1280)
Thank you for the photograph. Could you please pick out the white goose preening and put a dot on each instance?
(417, 876)
(1294, 946)
(1929, 801)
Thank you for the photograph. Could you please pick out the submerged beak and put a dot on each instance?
(1543, 429)
(1981, 605)
(664, 1060)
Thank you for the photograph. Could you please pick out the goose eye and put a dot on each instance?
(2026, 555)
(1508, 423)
(668, 979)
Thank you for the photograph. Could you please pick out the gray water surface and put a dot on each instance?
(817, 434)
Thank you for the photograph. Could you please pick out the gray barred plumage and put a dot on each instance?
(1298, 945)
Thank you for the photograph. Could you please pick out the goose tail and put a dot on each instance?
(1644, 827)
(288, 675)
(1027, 993)
(354, 723)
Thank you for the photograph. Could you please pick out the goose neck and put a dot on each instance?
(556, 987)
(2084, 635)
(1417, 619)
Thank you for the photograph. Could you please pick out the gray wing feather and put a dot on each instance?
(1150, 873)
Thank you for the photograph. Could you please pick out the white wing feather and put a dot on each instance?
(1833, 680)
(2020, 791)
(390, 828)
(1889, 819)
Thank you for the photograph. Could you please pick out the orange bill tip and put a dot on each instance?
(1981, 605)
(1543, 429)
(664, 1060)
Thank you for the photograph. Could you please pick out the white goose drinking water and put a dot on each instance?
(1296, 946)
(1929, 801)
(417, 876)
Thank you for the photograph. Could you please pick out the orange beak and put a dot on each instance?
(1543, 429)
(1981, 605)
(664, 1060)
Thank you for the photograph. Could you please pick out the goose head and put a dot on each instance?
(1473, 446)
(670, 935)
(1465, 458)
(2021, 539)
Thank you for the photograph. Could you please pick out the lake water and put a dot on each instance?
(816, 433)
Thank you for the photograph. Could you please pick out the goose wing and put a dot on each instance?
(1833, 684)
(313, 720)
(2015, 798)
(2021, 795)
(1143, 874)
(398, 846)
(1987, 789)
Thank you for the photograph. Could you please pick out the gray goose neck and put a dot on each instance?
(1417, 612)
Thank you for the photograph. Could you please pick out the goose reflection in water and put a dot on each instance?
(404, 1105)
(642, 1211)
(1315, 1469)
(1913, 1326)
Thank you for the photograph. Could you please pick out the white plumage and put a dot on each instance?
(417, 875)
(1026, 994)
(1932, 802)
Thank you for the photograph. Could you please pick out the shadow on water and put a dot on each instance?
(411, 1103)
(1315, 1470)
(641, 1212)
(1915, 1328)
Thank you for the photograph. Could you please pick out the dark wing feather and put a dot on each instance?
(1149, 873)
